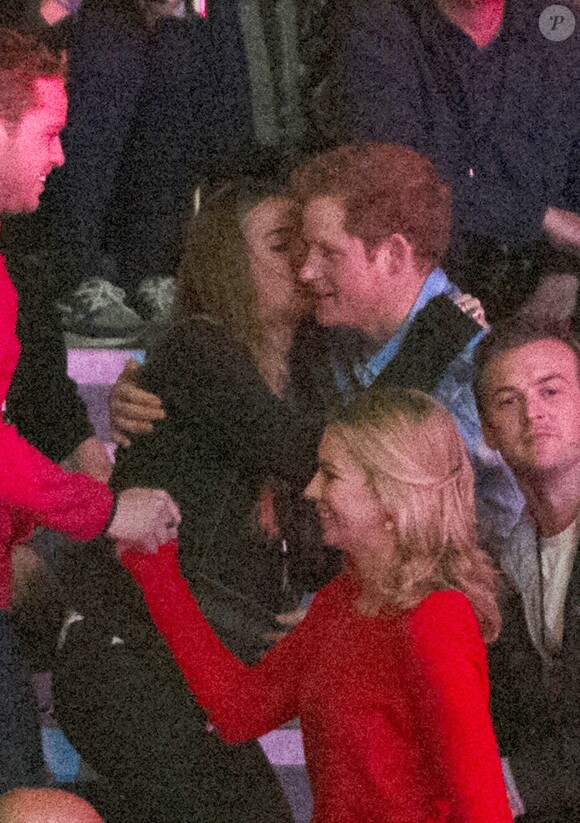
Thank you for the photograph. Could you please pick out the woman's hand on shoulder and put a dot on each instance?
(472, 307)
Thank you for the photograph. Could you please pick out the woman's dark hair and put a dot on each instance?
(213, 275)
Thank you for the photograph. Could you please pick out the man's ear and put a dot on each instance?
(395, 248)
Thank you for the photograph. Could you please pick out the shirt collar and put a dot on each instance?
(346, 344)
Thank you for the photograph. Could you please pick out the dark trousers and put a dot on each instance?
(21, 761)
(150, 115)
(125, 707)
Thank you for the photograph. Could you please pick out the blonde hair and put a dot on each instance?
(407, 445)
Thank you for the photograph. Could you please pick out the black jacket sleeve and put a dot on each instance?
(43, 401)
(211, 385)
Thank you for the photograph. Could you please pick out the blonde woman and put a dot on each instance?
(388, 672)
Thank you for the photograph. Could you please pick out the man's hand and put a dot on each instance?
(90, 457)
(145, 518)
(132, 410)
(563, 229)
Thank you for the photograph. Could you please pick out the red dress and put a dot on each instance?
(394, 710)
(33, 490)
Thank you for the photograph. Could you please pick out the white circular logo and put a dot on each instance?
(557, 23)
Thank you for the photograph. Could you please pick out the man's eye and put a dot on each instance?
(507, 401)
(549, 391)
(327, 254)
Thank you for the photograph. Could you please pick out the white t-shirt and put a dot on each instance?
(558, 554)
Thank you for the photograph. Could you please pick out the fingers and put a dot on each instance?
(291, 619)
(168, 519)
(124, 422)
(119, 438)
(130, 395)
(135, 405)
(467, 303)
(472, 307)
(173, 508)
(148, 517)
(132, 410)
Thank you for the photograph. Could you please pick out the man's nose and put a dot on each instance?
(309, 270)
(312, 490)
(57, 156)
(533, 408)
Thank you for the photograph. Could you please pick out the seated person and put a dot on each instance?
(375, 225)
(476, 87)
(45, 806)
(387, 672)
(234, 444)
(528, 389)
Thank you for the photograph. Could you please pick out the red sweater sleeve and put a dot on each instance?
(75, 504)
(242, 702)
(449, 670)
(71, 503)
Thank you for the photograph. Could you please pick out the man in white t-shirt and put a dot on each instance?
(527, 385)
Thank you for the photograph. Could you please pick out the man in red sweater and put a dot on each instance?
(33, 490)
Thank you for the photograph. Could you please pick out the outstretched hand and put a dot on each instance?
(145, 518)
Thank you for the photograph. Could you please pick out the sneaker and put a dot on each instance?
(154, 299)
(98, 316)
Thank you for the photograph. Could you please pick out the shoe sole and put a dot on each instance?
(79, 341)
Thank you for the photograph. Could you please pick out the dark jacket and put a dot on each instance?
(538, 728)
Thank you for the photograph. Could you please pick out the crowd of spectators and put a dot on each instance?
(305, 307)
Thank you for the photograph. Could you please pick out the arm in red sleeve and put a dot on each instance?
(22, 526)
(449, 673)
(74, 504)
(242, 702)
(71, 503)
